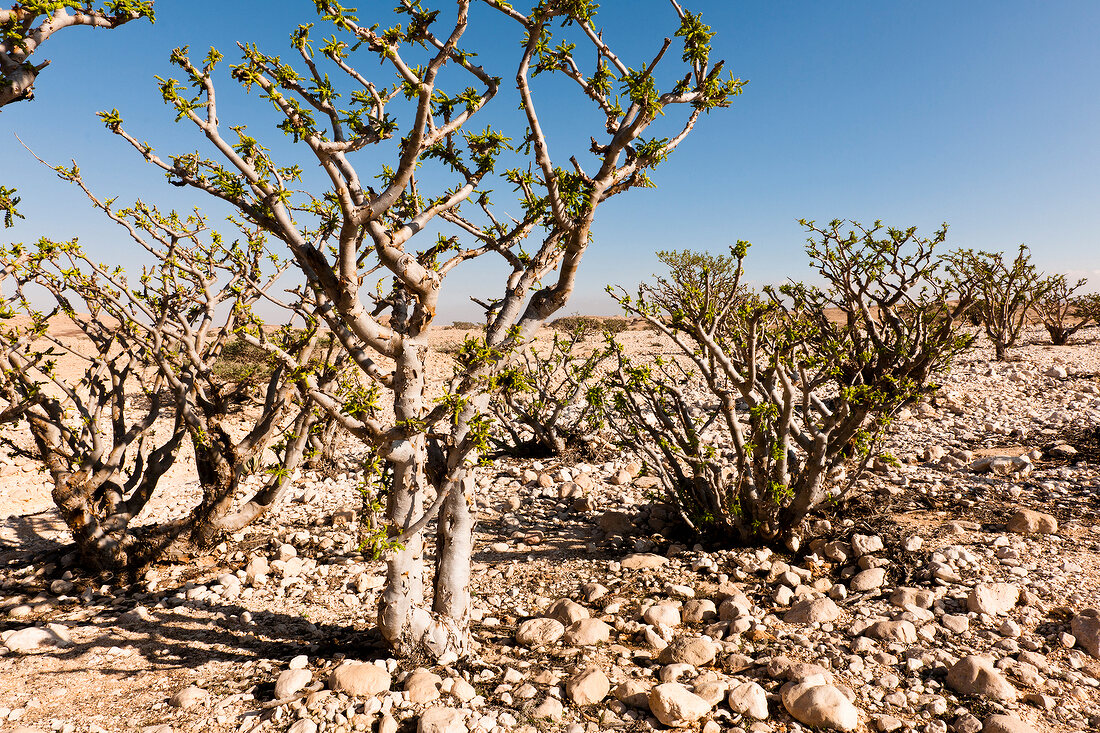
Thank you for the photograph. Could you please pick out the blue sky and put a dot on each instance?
(985, 115)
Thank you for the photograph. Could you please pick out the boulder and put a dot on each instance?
(440, 719)
(699, 611)
(189, 697)
(588, 686)
(667, 614)
(567, 611)
(918, 597)
(634, 693)
(359, 679)
(813, 611)
(821, 706)
(305, 725)
(549, 709)
(291, 681)
(974, 675)
(1007, 724)
(868, 580)
(643, 561)
(866, 544)
(34, 638)
(992, 599)
(903, 632)
(613, 522)
(749, 699)
(538, 632)
(587, 632)
(676, 706)
(422, 687)
(693, 650)
(1029, 521)
(1086, 629)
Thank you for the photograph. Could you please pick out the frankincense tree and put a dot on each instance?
(433, 171)
(25, 27)
(1006, 292)
(797, 382)
(156, 344)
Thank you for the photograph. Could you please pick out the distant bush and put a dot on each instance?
(466, 325)
(548, 402)
(1062, 313)
(1088, 306)
(586, 324)
(775, 405)
(241, 361)
(1005, 292)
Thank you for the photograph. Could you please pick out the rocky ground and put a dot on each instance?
(952, 594)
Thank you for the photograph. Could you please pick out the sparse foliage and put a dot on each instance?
(778, 397)
(1005, 292)
(548, 402)
(160, 335)
(25, 27)
(445, 173)
(1060, 311)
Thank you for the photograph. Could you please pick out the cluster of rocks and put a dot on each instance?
(967, 602)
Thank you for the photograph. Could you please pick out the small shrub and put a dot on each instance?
(1060, 312)
(585, 324)
(775, 405)
(1005, 292)
(241, 361)
(548, 402)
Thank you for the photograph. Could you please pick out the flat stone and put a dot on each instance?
(992, 599)
(291, 681)
(676, 706)
(974, 675)
(1029, 521)
(1086, 629)
(749, 699)
(643, 561)
(538, 632)
(813, 611)
(818, 705)
(359, 679)
(693, 650)
(588, 686)
(305, 725)
(422, 687)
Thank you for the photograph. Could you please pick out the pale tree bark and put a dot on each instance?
(27, 28)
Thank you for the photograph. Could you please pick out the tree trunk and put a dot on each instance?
(215, 460)
(1000, 350)
(440, 632)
